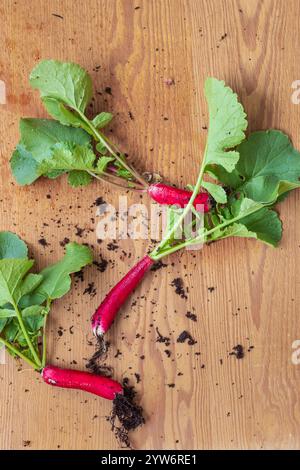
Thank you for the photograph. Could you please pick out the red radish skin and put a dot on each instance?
(164, 194)
(108, 309)
(96, 384)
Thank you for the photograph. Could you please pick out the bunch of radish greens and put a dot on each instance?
(25, 302)
(74, 144)
(26, 298)
(245, 176)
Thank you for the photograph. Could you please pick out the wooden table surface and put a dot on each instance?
(133, 46)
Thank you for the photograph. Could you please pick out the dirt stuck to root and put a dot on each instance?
(126, 415)
(96, 363)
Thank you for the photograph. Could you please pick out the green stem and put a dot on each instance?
(199, 239)
(112, 182)
(19, 353)
(44, 354)
(188, 207)
(105, 141)
(26, 336)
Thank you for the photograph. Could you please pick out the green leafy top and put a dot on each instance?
(66, 82)
(250, 177)
(11, 246)
(227, 123)
(65, 90)
(25, 298)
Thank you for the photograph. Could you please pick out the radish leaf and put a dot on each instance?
(12, 276)
(66, 82)
(79, 178)
(56, 278)
(227, 123)
(68, 157)
(103, 162)
(269, 165)
(23, 166)
(216, 191)
(102, 119)
(38, 136)
(25, 298)
(11, 246)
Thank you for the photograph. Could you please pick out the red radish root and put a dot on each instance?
(102, 386)
(125, 416)
(164, 194)
(108, 309)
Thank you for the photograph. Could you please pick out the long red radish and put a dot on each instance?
(164, 194)
(66, 378)
(107, 310)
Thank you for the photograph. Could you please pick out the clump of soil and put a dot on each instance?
(158, 265)
(185, 335)
(238, 351)
(179, 288)
(126, 413)
(43, 242)
(191, 316)
(101, 265)
(90, 289)
(162, 339)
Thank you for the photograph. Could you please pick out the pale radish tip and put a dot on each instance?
(98, 331)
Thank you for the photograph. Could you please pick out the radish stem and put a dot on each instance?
(113, 182)
(101, 138)
(173, 249)
(178, 223)
(26, 336)
(19, 353)
(44, 333)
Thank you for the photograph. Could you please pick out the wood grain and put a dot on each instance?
(218, 401)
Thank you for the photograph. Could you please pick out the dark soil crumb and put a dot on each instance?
(158, 265)
(138, 377)
(64, 242)
(79, 231)
(43, 242)
(238, 351)
(186, 336)
(179, 289)
(60, 331)
(211, 289)
(112, 246)
(99, 201)
(101, 265)
(90, 289)
(26, 443)
(191, 316)
(171, 385)
(130, 115)
(168, 352)
(118, 353)
(127, 413)
(108, 90)
(79, 275)
(162, 339)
